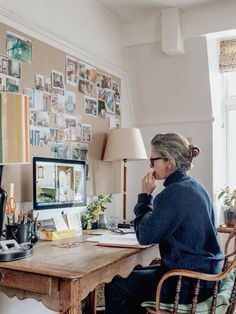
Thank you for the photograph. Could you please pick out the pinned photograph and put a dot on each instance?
(53, 136)
(102, 93)
(58, 103)
(44, 137)
(60, 135)
(3, 64)
(79, 151)
(19, 48)
(70, 102)
(39, 136)
(118, 109)
(112, 121)
(60, 121)
(42, 119)
(34, 137)
(47, 102)
(57, 80)
(68, 134)
(76, 133)
(47, 85)
(86, 133)
(90, 106)
(12, 85)
(101, 109)
(58, 92)
(117, 123)
(116, 89)
(106, 81)
(71, 70)
(14, 68)
(88, 88)
(38, 100)
(87, 72)
(99, 78)
(33, 117)
(2, 84)
(110, 102)
(59, 150)
(70, 123)
(39, 82)
(30, 93)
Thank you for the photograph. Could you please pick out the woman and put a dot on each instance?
(180, 219)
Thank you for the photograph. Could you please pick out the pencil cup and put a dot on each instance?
(9, 232)
(23, 233)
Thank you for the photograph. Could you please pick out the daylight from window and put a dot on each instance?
(229, 110)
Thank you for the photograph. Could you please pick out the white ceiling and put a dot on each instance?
(128, 10)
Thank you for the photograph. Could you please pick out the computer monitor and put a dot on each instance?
(58, 184)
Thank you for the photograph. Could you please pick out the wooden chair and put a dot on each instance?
(220, 302)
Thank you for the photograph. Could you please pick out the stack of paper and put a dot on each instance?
(117, 240)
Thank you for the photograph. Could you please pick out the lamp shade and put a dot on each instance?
(125, 143)
(14, 129)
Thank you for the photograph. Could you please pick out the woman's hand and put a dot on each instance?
(148, 183)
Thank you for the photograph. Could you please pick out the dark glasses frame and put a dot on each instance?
(155, 158)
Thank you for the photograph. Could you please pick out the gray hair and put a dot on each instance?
(176, 149)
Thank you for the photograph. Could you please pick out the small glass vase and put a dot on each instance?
(102, 220)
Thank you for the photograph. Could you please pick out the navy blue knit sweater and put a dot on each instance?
(181, 220)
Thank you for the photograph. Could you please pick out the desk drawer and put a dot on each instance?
(25, 281)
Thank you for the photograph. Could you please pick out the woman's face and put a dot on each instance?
(162, 168)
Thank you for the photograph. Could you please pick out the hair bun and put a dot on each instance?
(194, 151)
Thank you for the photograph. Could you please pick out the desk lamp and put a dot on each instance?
(14, 136)
(122, 145)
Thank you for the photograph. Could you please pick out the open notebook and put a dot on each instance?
(117, 240)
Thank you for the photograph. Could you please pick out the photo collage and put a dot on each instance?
(54, 107)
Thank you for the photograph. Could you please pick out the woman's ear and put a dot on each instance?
(170, 166)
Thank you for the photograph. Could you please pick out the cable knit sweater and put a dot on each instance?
(181, 220)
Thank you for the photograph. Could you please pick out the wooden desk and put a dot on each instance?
(61, 277)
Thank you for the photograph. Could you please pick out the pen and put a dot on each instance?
(35, 223)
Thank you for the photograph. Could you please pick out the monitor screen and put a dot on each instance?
(58, 183)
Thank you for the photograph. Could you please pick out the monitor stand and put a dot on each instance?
(124, 225)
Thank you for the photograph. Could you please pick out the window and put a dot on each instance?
(229, 111)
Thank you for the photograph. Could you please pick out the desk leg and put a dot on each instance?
(70, 302)
(93, 301)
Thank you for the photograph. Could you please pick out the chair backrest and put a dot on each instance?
(228, 265)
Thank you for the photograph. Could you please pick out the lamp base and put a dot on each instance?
(124, 225)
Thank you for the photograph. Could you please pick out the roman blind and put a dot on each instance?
(227, 58)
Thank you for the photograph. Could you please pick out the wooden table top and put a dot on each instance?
(73, 258)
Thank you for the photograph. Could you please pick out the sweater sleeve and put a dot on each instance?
(155, 223)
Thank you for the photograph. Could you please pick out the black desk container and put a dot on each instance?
(3, 199)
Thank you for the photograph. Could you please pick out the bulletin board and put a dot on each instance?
(73, 106)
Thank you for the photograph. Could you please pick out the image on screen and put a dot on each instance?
(58, 183)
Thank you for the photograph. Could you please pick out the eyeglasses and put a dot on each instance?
(155, 158)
